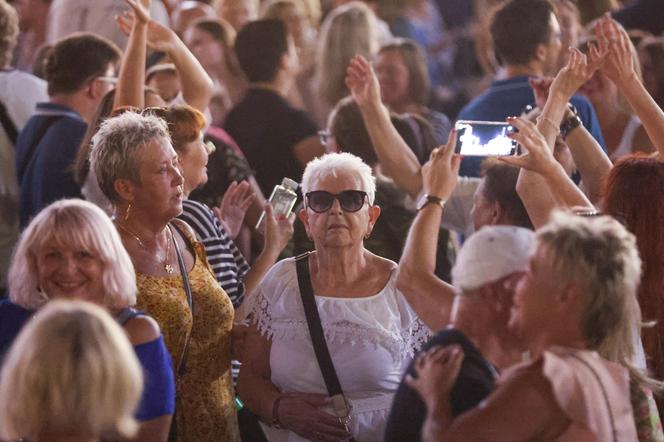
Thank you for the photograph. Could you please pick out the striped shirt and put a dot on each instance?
(228, 264)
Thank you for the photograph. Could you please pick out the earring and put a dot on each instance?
(126, 215)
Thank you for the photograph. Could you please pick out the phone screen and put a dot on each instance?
(484, 138)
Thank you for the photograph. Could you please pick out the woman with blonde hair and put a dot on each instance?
(347, 31)
(71, 375)
(71, 250)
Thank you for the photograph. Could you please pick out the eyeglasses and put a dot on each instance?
(321, 201)
(107, 79)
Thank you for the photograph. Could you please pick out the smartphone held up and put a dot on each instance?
(485, 138)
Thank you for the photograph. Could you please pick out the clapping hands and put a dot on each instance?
(233, 207)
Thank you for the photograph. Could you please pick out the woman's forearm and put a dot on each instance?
(131, 81)
(197, 86)
(645, 107)
(395, 157)
(437, 422)
(591, 161)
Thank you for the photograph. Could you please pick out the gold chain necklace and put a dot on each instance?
(167, 266)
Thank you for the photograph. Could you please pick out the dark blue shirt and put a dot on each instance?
(158, 397)
(507, 98)
(48, 175)
(475, 382)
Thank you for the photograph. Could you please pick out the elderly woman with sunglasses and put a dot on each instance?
(370, 328)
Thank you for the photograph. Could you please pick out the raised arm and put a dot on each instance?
(540, 160)
(535, 193)
(396, 158)
(619, 67)
(131, 81)
(430, 297)
(197, 86)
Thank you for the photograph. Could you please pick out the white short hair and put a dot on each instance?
(79, 224)
(332, 163)
(71, 370)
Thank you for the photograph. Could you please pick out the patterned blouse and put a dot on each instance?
(204, 393)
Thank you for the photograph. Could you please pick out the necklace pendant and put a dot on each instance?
(169, 269)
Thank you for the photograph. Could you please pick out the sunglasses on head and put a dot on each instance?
(321, 201)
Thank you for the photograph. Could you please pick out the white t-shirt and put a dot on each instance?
(371, 339)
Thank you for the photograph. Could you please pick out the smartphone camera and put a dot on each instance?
(485, 138)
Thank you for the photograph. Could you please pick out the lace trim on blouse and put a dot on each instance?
(401, 344)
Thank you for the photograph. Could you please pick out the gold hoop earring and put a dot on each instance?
(126, 215)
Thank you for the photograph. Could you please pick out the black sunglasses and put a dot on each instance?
(321, 201)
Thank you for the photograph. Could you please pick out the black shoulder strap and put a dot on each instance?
(340, 405)
(315, 327)
(182, 366)
(8, 124)
(48, 122)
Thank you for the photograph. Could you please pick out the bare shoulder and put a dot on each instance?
(142, 329)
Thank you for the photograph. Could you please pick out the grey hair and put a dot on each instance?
(115, 146)
(600, 256)
(332, 163)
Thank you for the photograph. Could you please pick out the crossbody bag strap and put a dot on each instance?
(341, 406)
(182, 366)
(604, 394)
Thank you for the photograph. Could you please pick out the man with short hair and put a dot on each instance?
(484, 275)
(80, 70)
(277, 139)
(526, 39)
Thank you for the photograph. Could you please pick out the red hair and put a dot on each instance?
(634, 194)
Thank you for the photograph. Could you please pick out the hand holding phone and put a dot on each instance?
(485, 138)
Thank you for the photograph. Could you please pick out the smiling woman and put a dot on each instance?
(71, 250)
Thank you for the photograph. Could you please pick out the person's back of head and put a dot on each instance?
(347, 31)
(77, 59)
(260, 46)
(70, 373)
(500, 187)
(8, 33)
(518, 27)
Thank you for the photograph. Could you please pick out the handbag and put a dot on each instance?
(340, 404)
(182, 364)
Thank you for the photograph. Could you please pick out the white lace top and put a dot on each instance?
(370, 340)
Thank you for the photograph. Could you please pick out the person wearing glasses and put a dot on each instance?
(79, 71)
(371, 328)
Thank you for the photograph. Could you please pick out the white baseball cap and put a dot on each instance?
(490, 254)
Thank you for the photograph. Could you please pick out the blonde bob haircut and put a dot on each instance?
(332, 164)
(600, 257)
(72, 371)
(82, 225)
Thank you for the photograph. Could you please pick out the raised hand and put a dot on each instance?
(160, 38)
(539, 157)
(362, 82)
(304, 415)
(277, 231)
(540, 87)
(579, 69)
(612, 38)
(233, 207)
(141, 10)
(437, 370)
(441, 172)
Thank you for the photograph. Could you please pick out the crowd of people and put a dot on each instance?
(155, 286)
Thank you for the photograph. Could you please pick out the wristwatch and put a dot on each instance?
(430, 199)
(570, 123)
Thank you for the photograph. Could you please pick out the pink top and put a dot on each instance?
(593, 392)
